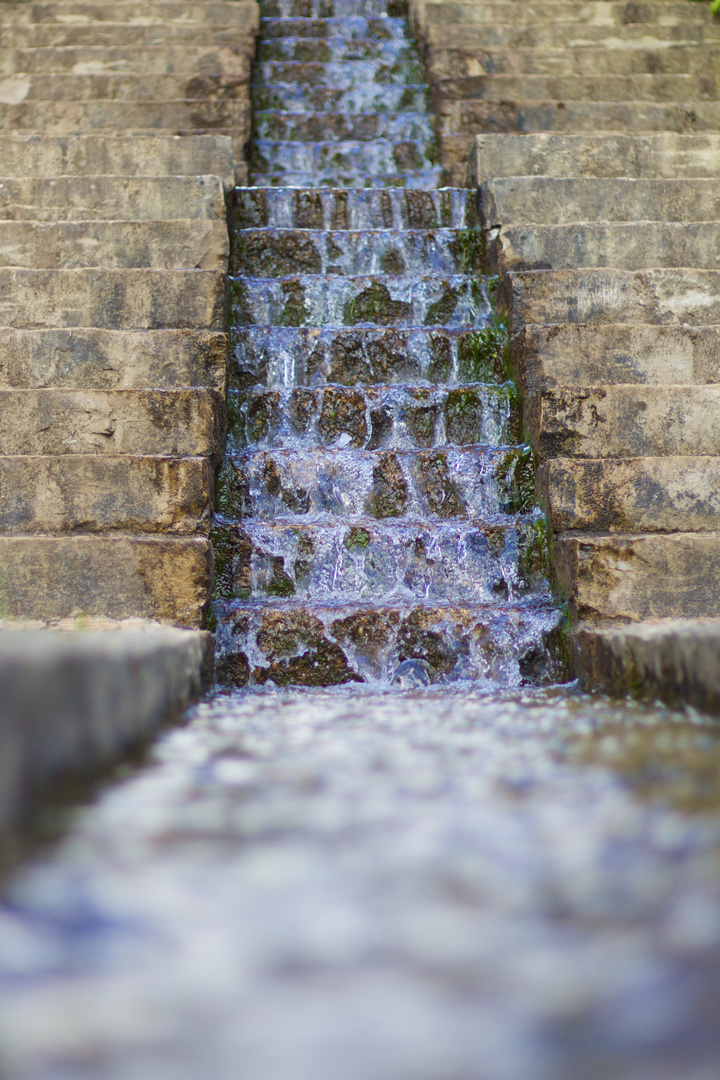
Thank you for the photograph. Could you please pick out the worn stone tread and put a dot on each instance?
(639, 576)
(111, 198)
(576, 35)
(53, 578)
(97, 359)
(99, 492)
(641, 494)
(638, 63)
(572, 353)
(508, 12)
(220, 12)
(45, 88)
(52, 421)
(188, 60)
(116, 154)
(68, 117)
(112, 299)
(609, 88)
(114, 34)
(574, 117)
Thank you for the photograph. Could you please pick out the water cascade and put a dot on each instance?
(375, 515)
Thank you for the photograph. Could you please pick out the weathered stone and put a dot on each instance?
(94, 59)
(389, 493)
(624, 421)
(93, 359)
(59, 117)
(114, 244)
(184, 422)
(93, 493)
(110, 198)
(79, 577)
(639, 576)
(112, 299)
(220, 13)
(643, 494)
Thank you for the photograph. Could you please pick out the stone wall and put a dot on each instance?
(121, 127)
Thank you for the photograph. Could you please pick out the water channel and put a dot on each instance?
(389, 848)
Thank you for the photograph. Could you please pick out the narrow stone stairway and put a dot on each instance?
(375, 517)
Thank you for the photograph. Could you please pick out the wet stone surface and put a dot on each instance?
(413, 885)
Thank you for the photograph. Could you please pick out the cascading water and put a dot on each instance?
(374, 509)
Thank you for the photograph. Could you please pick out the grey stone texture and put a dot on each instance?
(71, 702)
(120, 131)
(593, 134)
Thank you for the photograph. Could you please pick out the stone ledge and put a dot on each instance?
(71, 703)
(677, 661)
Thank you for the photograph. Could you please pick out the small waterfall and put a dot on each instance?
(375, 519)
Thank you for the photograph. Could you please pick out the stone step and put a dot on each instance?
(598, 13)
(616, 58)
(281, 252)
(123, 244)
(663, 156)
(298, 99)
(575, 354)
(363, 559)
(574, 34)
(578, 117)
(453, 482)
(644, 494)
(292, 643)
(282, 357)
(41, 157)
(313, 50)
(313, 208)
(142, 34)
(219, 13)
(123, 577)
(93, 493)
(121, 60)
(48, 88)
(111, 198)
(112, 299)
(518, 201)
(112, 359)
(356, 161)
(150, 422)
(377, 300)
(632, 577)
(374, 417)
(676, 297)
(352, 127)
(341, 75)
(624, 421)
(64, 118)
(629, 246)
(333, 176)
(573, 88)
(346, 28)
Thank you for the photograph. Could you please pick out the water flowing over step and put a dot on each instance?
(375, 514)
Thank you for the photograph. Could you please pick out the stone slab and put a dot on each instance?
(644, 494)
(625, 245)
(567, 354)
(220, 13)
(548, 200)
(134, 87)
(624, 421)
(465, 114)
(197, 59)
(575, 34)
(102, 493)
(636, 577)
(112, 299)
(594, 296)
(74, 702)
(117, 155)
(510, 13)
(665, 155)
(123, 577)
(177, 422)
(143, 35)
(638, 61)
(175, 115)
(112, 198)
(677, 661)
(92, 359)
(449, 76)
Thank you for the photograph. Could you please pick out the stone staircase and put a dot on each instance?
(117, 128)
(596, 167)
(374, 508)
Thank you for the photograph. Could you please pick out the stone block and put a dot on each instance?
(219, 13)
(53, 421)
(112, 198)
(116, 116)
(199, 60)
(636, 577)
(511, 115)
(135, 88)
(166, 579)
(644, 494)
(101, 493)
